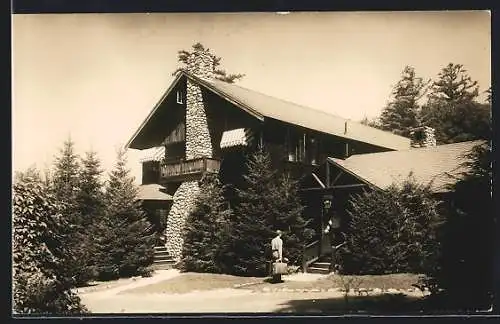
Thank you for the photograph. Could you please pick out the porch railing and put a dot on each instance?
(189, 167)
(310, 254)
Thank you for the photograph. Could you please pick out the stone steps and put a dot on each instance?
(162, 259)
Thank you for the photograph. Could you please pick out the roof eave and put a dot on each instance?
(153, 111)
(343, 168)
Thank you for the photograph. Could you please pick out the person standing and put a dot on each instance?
(277, 253)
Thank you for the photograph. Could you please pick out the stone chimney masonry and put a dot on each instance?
(422, 137)
(198, 144)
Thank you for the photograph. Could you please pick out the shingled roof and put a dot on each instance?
(153, 192)
(263, 106)
(439, 166)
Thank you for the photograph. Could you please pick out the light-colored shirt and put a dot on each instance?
(277, 245)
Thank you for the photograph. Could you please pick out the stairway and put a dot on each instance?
(162, 259)
(320, 266)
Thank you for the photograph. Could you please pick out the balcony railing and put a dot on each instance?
(189, 168)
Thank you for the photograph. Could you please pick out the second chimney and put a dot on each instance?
(423, 137)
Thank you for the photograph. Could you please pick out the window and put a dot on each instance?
(180, 97)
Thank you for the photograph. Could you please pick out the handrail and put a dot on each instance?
(311, 244)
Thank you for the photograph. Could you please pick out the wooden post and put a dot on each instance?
(327, 174)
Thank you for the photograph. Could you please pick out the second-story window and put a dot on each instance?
(180, 97)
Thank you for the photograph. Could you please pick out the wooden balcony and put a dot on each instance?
(188, 170)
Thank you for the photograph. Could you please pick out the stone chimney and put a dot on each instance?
(422, 137)
(201, 64)
(198, 140)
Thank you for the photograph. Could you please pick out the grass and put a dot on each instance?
(190, 282)
(394, 281)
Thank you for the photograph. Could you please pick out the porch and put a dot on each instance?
(188, 170)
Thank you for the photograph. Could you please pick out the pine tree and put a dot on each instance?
(90, 196)
(289, 217)
(220, 74)
(90, 204)
(40, 280)
(454, 86)
(125, 240)
(401, 114)
(452, 109)
(66, 188)
(392, 231)
(207, 228)
(268, 201)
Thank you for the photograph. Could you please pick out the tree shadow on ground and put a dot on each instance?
(380, 304)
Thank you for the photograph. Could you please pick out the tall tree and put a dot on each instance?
(66, 188)
(452, 109)
(90, 196)
(402, 112)
(219, 73)
(267, 201)
(207, 228)
(454, 86)
(66, 174)
(125, 240)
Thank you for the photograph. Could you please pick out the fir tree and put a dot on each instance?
(267, 202)
(392, 231)
(454, 86)
(125, 240)
(207, 229)
(66, 188)
(401, 114)
(219, 73)
(452, 109)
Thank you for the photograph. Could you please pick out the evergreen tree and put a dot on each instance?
(452, 109)
(40, 280)
(392, 231)
(468, 240)
(66, 188)
(90, 197)
(90, 204)
(401, 114)
(66, 175)
(220, 74)
(125, 240)
(454, 86)
(267, 202)
(206, 230)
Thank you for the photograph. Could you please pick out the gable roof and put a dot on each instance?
(439, 166)
(263, 106)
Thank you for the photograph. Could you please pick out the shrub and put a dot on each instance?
(40, 282)
(392, 231)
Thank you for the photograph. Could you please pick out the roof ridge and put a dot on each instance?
(416, 149)
(294, 103)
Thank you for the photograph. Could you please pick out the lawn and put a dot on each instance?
(190, 282)
(392, 281)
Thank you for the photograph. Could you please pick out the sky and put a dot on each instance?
(95, 77)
